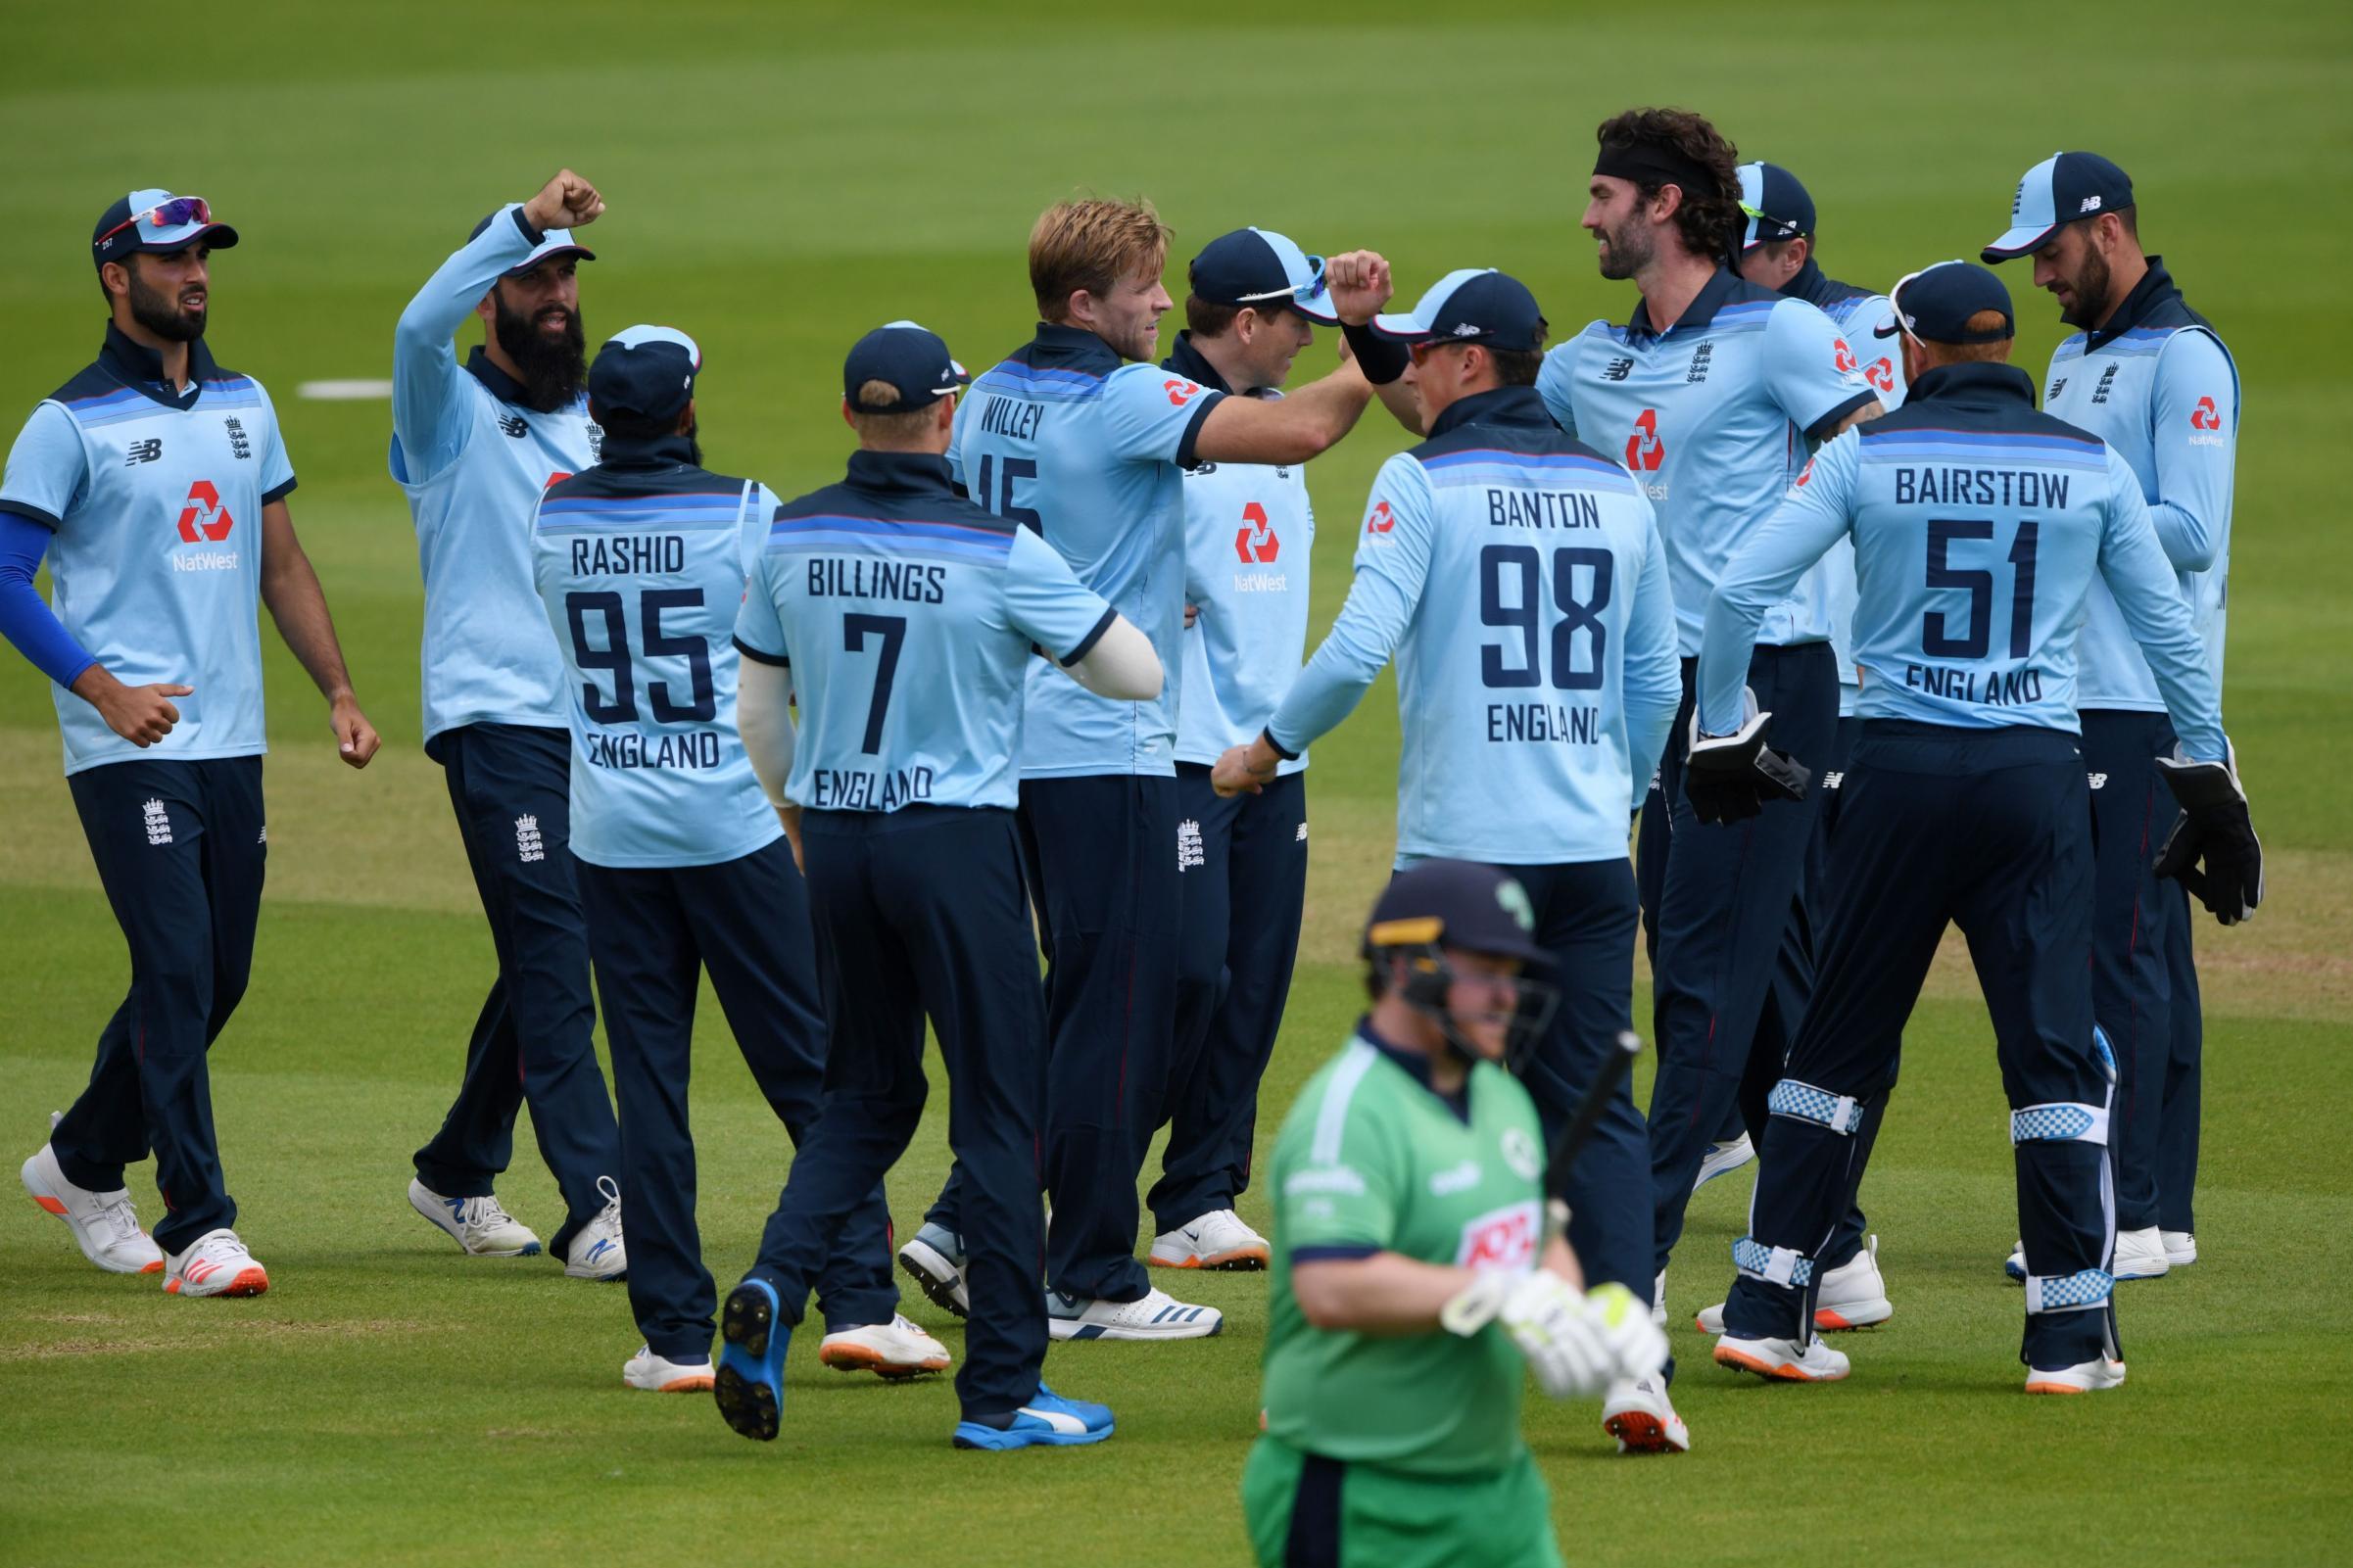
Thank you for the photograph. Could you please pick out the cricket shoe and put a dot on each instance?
(749, 1388)
(934, 1258)
(1658, 1301)
(1153, 1315)
(596, 1252)
(216, 1263)
(1638, 1413)
(2140, 1254)
(1049, 1420)
(2015, 1265)
(105, 1226)
(2180, 1248)
(2087, 1378)
(895, 1349)
(1782, 1360)
(1852, 1296)
(479, 1225)
(658, 1374)
(1722, 1159)
(1217, 1240)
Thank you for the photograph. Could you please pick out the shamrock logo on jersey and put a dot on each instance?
(205, 515)
(1645, 452)
(1515, 899)
(1255, 541)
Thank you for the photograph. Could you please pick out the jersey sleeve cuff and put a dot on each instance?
(30, 514)
(1192, 428)
(1277, 747)
(531, 236)
(280, 493)
(1827, 426)
(758, 656)
(1087, 643)
(1334, 1253)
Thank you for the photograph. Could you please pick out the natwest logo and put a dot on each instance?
(1644, 450)
(1882, 374)
(1381, 519)
(1843, 359)
(1255, 542)
(1180, 391)
(204, 516)
(2205, 416)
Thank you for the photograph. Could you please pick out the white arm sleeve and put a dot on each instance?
(1122, 665)
(763, 704)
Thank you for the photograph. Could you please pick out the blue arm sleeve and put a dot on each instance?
(1391, 565)
(2149, 595)
(2194, 413)
(28, 623)
(1653, 674)
(1761, 572)
(425, 359)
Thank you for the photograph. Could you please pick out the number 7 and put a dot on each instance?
(893, 629)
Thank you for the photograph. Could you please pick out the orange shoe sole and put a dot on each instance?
(1778, 1371)
(680, 1385)
(249, 1282)
(1641, 1432)
(858, 1359)
(1240, 1260)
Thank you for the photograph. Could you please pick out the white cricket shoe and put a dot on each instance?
(2139, 1255)
(894, 1349)
(104, 1224)
(1782, 1360)
(658, 1374)
(1638, 1413)
(1722, 1159)
(1154, 1315)
(2015, 1265)
(2087, 1378)
(1852, 1296)
(1658, 1301)
(2180, 1248)
(479, 1225)
(1217, 1240)
(934, 1258)
(596, 1252)
(216, 1263)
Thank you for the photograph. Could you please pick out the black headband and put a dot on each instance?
(1646, 164)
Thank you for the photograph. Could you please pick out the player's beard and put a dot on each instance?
(163, 315)
(2090, 286)
(694, 435)
(555, 369)
(1628, 250)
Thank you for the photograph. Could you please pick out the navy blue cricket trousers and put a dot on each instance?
(653, 931)
(535, 1038)
(180, 849)
(1243, 875)
(920, 913)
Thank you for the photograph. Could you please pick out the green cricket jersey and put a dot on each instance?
(1372, 1160)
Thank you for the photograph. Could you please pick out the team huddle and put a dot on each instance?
(1791, 576)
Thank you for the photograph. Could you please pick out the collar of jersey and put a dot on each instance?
(1416, 1067)
(2152, 291)
(501, 385)
(1192, 365)
(1971, 383)
(665, 451)
(1718, 291)
(141, 368)
(1497, 405)
(1819, 289)
(919, 472)
(1061, 348)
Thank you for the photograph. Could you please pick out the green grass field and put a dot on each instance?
(782, 177)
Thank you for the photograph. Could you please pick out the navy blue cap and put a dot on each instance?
(1776, 204)
(553, 242)
(1472, 305)
(1934, 304)
(909, 356)
(1265, 270)
(2061, 189)
(645, 371)
(1456, 903)
(155, 222)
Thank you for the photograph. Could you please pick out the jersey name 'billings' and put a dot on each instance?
(1979, 486)
(863, 577)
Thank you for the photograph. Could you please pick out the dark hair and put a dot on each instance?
(1707, 219)
(1208, 319)
(632, 426)
(1517, 367)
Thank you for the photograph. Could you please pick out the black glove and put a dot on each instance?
(2216, 829)
(1729, 778)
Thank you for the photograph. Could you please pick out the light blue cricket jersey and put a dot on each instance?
(1713, 418)
(1979, 526)
(908, 616)
(155, 495)
(2157, 385)
(1065, 439)
(1519, 579)
(641, 562)
(1249, 532)
(472, 457)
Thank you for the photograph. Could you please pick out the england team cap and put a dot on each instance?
(1474, 304)
(1934, 304)
(1263, 269)
(1775, 205)
(155, 222)
(553, 243)
(909, 356)
(647, 371)
(1455, 903)
(2060, 190)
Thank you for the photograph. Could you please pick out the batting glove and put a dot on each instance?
(1562, 1339)
(2212, 849)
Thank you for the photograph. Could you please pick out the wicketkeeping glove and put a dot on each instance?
(1729, 778)
(2212, 849)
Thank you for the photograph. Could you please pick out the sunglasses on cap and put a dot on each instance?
(178, 212)
(1313, 289)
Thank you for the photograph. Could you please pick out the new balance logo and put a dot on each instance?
(514, 424)
(2056, 387)
(1190, 852)
(144, 452)
(264, 838)
(1832, 779)
(2090, 205)
(527, 842)
(2097, 780)
(1617, 370)
(1301, 836)
(158, 822)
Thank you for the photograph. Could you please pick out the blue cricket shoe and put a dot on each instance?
(751, 1386)
(1048, 1419)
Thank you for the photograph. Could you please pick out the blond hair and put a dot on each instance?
(1996, 352)
(893, 430)
(1092, 244)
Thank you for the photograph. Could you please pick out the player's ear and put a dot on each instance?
(943, 419)
(848, 418)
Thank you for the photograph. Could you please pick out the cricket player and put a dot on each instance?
(1252, 305)
(1979, 526)
(2151, 377)
(1518, 578)
(472, 447)
(905, 616)
(162, 481)
(1069, 440)
(642, 562)
(1711, 393)
(1410, 1166)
